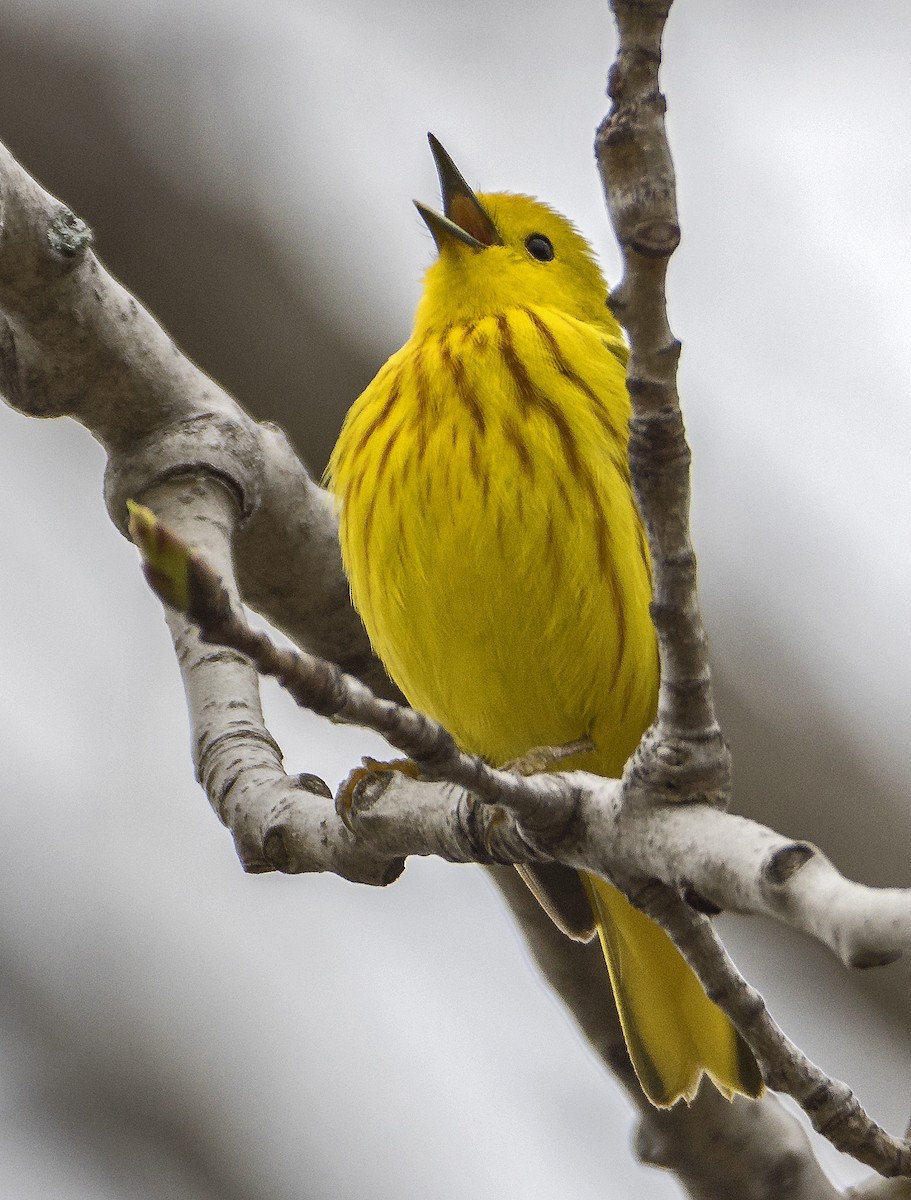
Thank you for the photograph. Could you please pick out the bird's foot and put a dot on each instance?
(361, 776)
(541, 757)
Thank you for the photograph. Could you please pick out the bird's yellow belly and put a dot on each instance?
(506, 595)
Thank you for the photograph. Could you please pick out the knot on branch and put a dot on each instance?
(633, 155)
(837, 1114)
(69, 236)
(676, 769)
(782, 865)
(618, 137)
(632, 84)
(617, 128)
(655, 239)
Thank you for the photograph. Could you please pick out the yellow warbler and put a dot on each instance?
(497, 559)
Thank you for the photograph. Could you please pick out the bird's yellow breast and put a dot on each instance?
(490, 536)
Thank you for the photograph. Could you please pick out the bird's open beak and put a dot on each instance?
(464, 219)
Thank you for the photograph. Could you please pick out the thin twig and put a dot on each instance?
(683, 756)
(832, 1107)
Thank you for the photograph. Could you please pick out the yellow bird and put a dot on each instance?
(497, 559)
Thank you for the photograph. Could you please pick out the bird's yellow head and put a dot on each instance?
(499, 251)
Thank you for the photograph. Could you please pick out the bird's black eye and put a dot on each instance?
(540, 247)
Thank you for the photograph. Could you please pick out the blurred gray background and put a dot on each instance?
(172, 1028)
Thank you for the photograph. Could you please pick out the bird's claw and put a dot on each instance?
(539, 758)
(346, 799)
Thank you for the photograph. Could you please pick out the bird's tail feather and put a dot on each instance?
(673, 1032)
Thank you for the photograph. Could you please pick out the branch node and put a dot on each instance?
(276, 850)
(68, 235)
(865, 958)
(313, 784)
(393, 871)
(783, 864)
(655, 239)
(670, 769)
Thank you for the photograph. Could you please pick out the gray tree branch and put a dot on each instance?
(527, 818)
